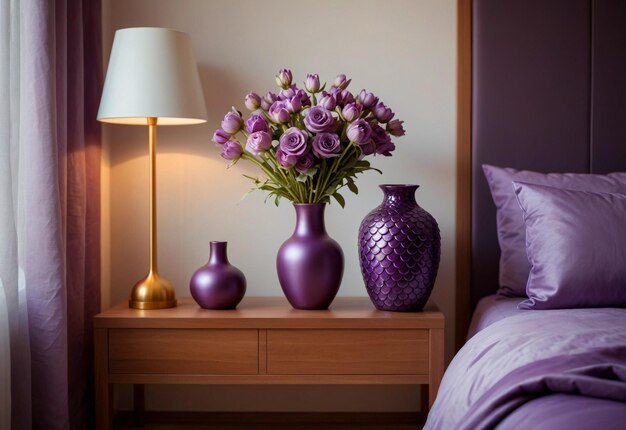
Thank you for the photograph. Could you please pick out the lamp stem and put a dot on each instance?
(152, 123)
(153, 292)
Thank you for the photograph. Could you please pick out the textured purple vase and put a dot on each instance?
(399, 250)
(310, 263)
(218, 284)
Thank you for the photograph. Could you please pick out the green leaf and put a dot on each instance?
(340, 199)
(302, 177)
(352, 187)
(245, 195)
(252, 178)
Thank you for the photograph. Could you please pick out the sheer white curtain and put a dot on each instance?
(50, 78)
(13, 310)
(14, 338)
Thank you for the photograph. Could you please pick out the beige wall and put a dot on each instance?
(403, 50)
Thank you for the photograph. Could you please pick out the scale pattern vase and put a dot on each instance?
(399, 251)
(310, 263)
(218, 284)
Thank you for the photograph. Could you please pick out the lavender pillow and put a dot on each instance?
(576, 245)
(514, 266)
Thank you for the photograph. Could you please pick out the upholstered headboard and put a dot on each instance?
(548, 93)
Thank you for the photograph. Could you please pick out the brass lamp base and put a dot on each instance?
(153, 292)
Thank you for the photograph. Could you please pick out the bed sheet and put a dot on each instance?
(492, 309)
(529, 357)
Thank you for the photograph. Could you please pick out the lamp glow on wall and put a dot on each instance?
(152, 79)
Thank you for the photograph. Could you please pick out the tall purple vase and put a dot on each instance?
(310, 263)
(399, 250)
(218, 284)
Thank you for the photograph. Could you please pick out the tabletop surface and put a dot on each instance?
(269, 309)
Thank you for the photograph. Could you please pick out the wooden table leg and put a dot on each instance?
(424, 408)
(104, 392)
(436, 364)
(139, 401)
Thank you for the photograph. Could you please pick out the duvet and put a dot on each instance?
(552, 369)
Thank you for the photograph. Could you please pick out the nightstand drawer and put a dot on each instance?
(347, 352)
(180, 351)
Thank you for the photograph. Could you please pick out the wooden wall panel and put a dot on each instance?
(530, 104)
(547, 93)
(608, 125)
(464, 169)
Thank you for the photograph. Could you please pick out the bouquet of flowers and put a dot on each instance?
(310, 143)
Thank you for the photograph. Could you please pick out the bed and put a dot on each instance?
(545, 93)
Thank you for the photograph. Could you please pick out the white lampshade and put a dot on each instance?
(152, 73)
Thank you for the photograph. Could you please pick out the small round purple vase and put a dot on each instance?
(218, 284)
(310, 263)
(399, 251)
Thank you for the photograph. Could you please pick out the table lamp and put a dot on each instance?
(152, 79)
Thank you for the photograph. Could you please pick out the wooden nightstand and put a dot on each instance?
(265, 341)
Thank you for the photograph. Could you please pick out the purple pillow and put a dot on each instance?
(514, 266)
(576, 245)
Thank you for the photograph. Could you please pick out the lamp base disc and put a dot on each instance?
(152, 292)
(152, 305)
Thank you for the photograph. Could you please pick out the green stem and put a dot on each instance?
(290, 178)
(333, 170)
(269, 173)
(293, 183)
(297, 186)
(320, 173)
(311, 190)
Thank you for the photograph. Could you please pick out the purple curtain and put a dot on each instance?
(55, 201)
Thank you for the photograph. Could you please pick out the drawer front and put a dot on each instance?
(178, 351)
(347, 352)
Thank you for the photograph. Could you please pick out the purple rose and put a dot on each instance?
(258, 142)
(395, 128)
(382, 112)
(343, 97)
(267, 100)
(359, 131)
(326, 145)
(367, 99)
(284, 77)
(386, 149)
(294, 104)
(252, 101)
(279, 113)
(383, 142)
(367, 148)
(285, 160)
(287, 93)
(346, 97)
(327, 101)
(312, 83)
(341, 82)
(293, 141)
(318, 119)
(305, 162)
(220, 136)
(304, 98)
(232, 123)
(231, 150)
(352, 111)
(256, 123)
